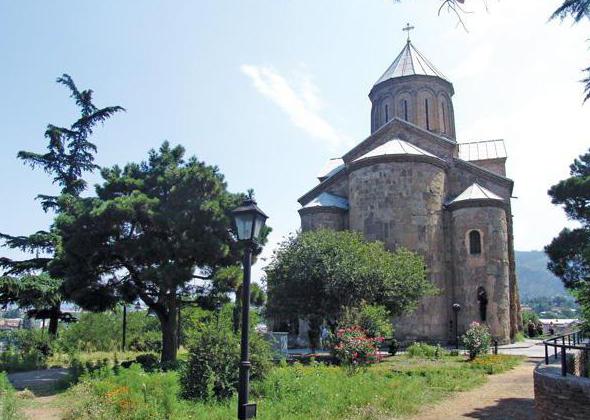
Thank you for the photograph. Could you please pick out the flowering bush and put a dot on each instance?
(477, 339)
(353, 348)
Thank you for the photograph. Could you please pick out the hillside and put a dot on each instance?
(534, 280)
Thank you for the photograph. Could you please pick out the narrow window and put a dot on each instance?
(405, 110)
(474, 242)
(482, 299)
(427, 118)
(386, 113)
(444, 117)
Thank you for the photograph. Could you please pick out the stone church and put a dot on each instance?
(411, 184)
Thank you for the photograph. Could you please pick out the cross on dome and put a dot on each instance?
(407, 29)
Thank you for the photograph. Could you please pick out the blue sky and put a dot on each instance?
(268, 90)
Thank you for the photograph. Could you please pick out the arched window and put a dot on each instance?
(405, 110)
(386, 113)
(443, 117)
(482, 299)
(427, 116)
(474, 242)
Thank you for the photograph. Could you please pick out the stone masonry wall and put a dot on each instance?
(489, 269)
(323, 218)
(560, 397)
(400, 204)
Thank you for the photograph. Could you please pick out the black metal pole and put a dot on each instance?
(245, 410)
(563, 361)
(124, 327)
(456, 330)
(546, 355)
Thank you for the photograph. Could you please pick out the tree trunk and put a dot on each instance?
(53, 320)
(169, 325)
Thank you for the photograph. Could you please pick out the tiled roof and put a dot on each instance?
(481, 150)
(476, 192)
(328, 200)
(395, 147)
(410, 62)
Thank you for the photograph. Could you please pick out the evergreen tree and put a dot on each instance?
(159, 230)
(569, 252)
(69, 155)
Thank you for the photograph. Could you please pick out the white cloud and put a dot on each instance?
(298, 99)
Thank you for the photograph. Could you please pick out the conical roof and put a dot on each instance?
(476, 192)
(395, 147)
(410, 62)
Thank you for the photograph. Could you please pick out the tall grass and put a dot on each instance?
(9, 404)
(397, 387)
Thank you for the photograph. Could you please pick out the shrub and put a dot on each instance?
(425, 351)
(148, 362)
(352, 347)
(374, 319)
(477, 339)
(212, 367)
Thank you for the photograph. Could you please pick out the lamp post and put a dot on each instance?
(124, 326)
(249, 220)
(456, 309)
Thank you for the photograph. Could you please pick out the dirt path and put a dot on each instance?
(506, 396)
(43, 384)
(42, 408)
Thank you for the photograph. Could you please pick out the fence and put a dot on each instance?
(576, 340)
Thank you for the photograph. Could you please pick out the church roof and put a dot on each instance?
(395, 147)
(482, 150)
(326, 199)
(332, 167)
(410, 62)
(476, 192)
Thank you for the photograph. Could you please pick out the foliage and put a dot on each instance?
(153, 229)
(9, 404)
(375, 320)
(569, 252)
(26, 349)
(212, 366)
(353, 348)
(103, 332)
(398, 387)
(477, 339)
(316, 275)
(69, 155)
(425, 350)
(132, 394)
(493, 364)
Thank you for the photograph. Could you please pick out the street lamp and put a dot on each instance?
(249, 220)
(456, 309)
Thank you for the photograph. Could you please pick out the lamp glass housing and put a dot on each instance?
(249, 221)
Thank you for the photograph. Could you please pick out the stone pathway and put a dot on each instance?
(505, 396)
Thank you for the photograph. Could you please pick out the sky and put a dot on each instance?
(269, 90)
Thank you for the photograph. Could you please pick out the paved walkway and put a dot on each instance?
(505, 396)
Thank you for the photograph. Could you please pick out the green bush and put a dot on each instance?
(374, 319)
(425, 351)
(352, 348)
(103, 332)
(477, 339)
(212, 367)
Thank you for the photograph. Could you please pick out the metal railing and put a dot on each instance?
(576, 340)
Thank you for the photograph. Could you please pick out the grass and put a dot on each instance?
(9, 404)
(398, 386)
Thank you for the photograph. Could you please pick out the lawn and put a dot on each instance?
(395, 387)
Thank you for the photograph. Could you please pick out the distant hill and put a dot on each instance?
(534, 280)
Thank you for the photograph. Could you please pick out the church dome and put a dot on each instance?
(414, 90)
(410, 62)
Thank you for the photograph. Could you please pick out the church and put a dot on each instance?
(411, 184)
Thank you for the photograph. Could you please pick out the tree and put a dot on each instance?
(569, 252)
(69, 155)
(318, 275)
(159, 230)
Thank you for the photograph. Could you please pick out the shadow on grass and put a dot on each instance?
(506, 408)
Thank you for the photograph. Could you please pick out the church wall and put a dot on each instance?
(400, 203)
(460, 180)
(323, 218)
(497, 166)
(488, 270)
